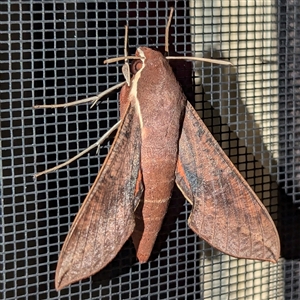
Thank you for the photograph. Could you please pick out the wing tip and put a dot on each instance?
(62, 281)
(60, 284)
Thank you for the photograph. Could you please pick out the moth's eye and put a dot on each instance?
(136, 66)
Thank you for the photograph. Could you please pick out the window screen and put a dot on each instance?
(52, 52)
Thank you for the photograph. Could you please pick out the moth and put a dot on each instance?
(161, 141)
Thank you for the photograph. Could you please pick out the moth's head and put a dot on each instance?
(148, 58)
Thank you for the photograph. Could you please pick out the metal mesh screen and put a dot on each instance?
(53, 52)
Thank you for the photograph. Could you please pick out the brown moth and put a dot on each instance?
(162, 141)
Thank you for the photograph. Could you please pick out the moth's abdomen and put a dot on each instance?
(148, 218)
(158, 185)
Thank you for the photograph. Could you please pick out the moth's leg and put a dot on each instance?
(93, 99)
(97, 144)
(99, 96)
(203, 59)
(126, 68)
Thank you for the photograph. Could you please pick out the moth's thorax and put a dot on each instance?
(154, 90)
(157, 90)
(160, 105)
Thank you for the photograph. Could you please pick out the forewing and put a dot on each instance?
(226, 212)
(106, 219)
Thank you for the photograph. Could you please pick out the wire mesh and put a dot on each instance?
(53, 53)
